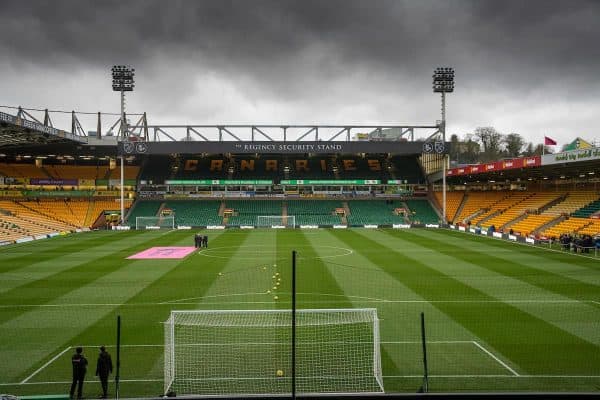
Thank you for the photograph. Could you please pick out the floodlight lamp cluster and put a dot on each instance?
(443, 80)
(122, 78)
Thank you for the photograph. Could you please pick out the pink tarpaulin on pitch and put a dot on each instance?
(162, 252)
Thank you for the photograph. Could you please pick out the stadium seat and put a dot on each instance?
(374, 212)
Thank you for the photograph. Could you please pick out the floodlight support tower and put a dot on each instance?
(123, 133)
(122, 76)
(443, 82)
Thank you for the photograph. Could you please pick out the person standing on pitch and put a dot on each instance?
(104, 368)
(205, 241)
(196, 240)
(79, 363)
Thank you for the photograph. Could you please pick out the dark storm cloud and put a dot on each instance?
(289, 51)
(393, 33)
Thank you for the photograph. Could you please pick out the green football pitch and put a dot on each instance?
(499, 316)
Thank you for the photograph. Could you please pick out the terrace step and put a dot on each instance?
(492, 215)
(514, 221)
(461, 206)
(550, 224)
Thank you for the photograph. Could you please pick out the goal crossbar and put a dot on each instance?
(248, 352)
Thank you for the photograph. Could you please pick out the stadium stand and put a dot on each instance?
(314, 212)
(99, 205)
(478, 202)
(145, 208)
(195, 212)
(407, 169)
(453, 202)
(156, 169)
(367, 212)
(529, 203)
(66, 171)
(30, 220)
(511, 200)
(530, 223)
(572, 202)
(71, 213)
(592, 228)
(245, 212)
(587, 210)
(22, 171)
(422, 212)
(570, 225)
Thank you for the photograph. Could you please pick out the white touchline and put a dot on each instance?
(495, 358)
(45, 365)
(540, 247)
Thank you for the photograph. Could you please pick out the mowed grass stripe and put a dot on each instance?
(312, 275)
(15, 257)
(558, 257)
(540, 270)
(580, 319)
(363, 280)
(63, 276)
(63, 324)
(400, 323)
(243, 280)
(524, 348)
(143, 325)
(313, 278)
(57, 263)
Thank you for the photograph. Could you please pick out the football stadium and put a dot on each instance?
(291, 260)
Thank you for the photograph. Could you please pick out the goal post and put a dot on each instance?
(248, 352)
(275, 221)
(162, 222)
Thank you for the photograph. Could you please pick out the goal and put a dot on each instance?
(248, 352)
(155, 222)
(275, 221)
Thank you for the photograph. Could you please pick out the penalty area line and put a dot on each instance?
(489, 353)
(24, 381)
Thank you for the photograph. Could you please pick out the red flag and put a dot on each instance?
(549, 142)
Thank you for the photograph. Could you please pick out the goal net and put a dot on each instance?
(275, 221)
(227, 352)
(161, 222)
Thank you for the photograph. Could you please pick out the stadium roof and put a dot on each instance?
(19, 132)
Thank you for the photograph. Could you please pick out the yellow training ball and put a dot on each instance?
(274, 287)
(275, 297)
(264, 268)
(273, 276)
(268, 291)
(220, 274)
(279, 373)
(277, 273)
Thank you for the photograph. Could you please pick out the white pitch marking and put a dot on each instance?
(527, 245)
(361, 299)
(495, 358)
(45, 365)
(274, 251)
(385, 376)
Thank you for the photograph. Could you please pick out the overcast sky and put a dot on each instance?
(529, 67)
